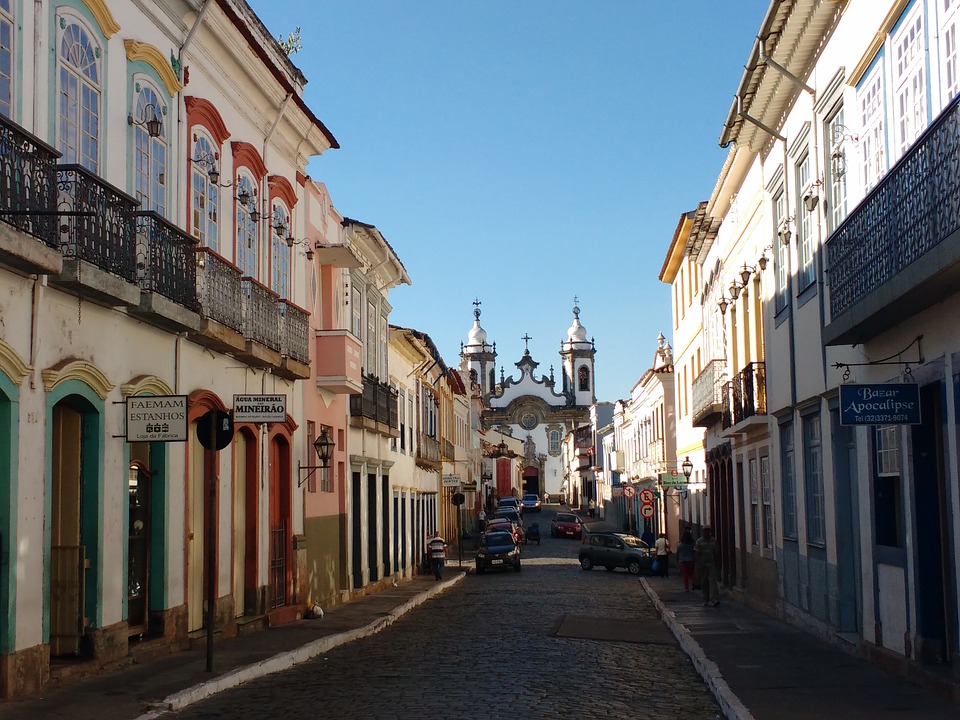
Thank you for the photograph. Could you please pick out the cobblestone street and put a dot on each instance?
(536, 644)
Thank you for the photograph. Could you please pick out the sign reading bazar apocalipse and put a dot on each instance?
(157, 418)
(883, 404)
(259, 408)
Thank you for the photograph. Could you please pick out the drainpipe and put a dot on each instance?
(37, 15)
(265, 190)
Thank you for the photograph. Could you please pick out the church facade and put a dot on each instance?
(531, 408)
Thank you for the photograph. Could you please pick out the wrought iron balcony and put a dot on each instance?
(377, 403)
(898, 252)
(726, 406)
(96, 222)
(428, 451)
(449, 453)
(749, 389)
(294, 325)
(218, 289)
(708, 393)
(261, 313)
(28, 192)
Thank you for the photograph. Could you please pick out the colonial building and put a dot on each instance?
(145, 281)
(838, 245)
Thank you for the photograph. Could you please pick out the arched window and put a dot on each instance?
(150, 153)
(6, 59)
(280, 251)
(205, 194)
(554, 448)
(583, 378)
(78, 115)
(248, 229)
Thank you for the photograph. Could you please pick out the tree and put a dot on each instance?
(291, 45)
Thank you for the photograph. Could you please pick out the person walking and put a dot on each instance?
(592, 506)
(707, 552)
(482, 520)
(662, 546)
(438, 552)
(686, 557)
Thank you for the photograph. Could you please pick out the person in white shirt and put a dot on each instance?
(438, 552)
(662, 546)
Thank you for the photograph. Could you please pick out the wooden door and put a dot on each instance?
(195, 532)
(67, 554)
(239, 520)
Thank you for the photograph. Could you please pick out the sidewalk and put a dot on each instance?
(759, 667)
(173, 681)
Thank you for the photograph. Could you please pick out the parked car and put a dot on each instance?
(501, 524)
(510, 502)
(530, 502)
(612, 550)
(498, 550)
(510, 514)
(566, 525)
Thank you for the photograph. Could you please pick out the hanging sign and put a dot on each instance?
(882, 404)
(451, 481)
(673, 480)
(259, 408)
(157, 418)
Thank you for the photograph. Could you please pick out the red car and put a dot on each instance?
(501, 523)
(566, 525)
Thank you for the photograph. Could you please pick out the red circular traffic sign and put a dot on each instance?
(629, 491)
(646, 497)
(646, 510)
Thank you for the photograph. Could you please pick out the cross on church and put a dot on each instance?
(526, 342)
(476, 308)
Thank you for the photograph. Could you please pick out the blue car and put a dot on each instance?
(498, 550)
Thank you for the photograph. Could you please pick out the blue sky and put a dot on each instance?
(524, 153)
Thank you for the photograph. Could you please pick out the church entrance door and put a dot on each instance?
(531, 481)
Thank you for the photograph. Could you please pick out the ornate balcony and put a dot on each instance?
(337, 361)
(28, 202)
(97, 236)
(375, 408)
(261, 324)
(749, 391)
(167, 274)
(898, 252)
(708, 394)
(449, 453)
(221, 310)
(294, 347)
(428, 452)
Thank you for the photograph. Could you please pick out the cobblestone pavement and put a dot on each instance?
(500, 645)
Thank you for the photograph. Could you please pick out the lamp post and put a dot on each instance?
(323, 446)
(687, 467)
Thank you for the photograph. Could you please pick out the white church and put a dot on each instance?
(531, 408)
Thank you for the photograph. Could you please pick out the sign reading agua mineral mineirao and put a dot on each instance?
(157, 418)
(884, 404)
(259, 408)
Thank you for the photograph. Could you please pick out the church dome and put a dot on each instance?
(477, 335)
(577, 333)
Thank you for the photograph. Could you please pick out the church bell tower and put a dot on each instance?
(577, 354)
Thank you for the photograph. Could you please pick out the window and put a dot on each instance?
(813, 480)
(836, 139)
(149, 154)
(6, 59)
(948, 49)
(789, 482)
(205, 194)
(370, 341)
(887, 504)
(583, 378)
(805, 239)
(554, 442)
(280, 250)
(357, 314)
(382, 346)
(781, 226)
(78, 116)
(754, 501)
(402, 411)
(765, 495)
(248, 231)
(393, 440)
(909, 72)
(870, 98)
(411, 417)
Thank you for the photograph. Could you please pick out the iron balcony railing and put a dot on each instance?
(218, 289)
(910, 211)
(749, 392)
(377, 402)
(166, 260)
(708, 388)
(726, 407)
(96, 222)
(448, 451)
(294, 332)
(428, 448)
(261, 313)
(28, 183)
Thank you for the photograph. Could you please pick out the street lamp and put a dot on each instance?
(687, 467)
(324, 446)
